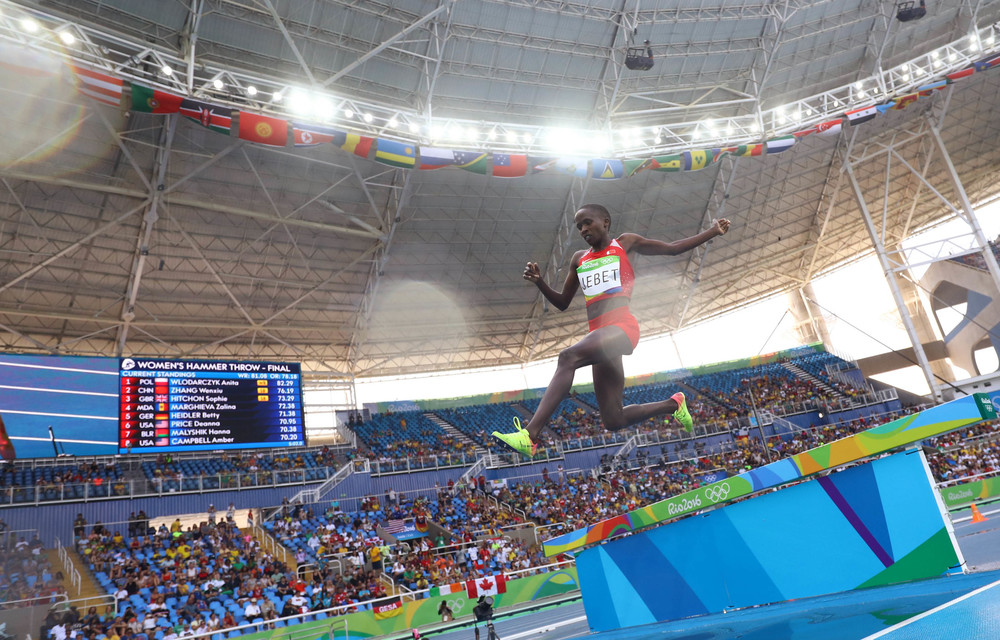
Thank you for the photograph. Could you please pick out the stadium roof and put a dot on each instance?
(143, 234)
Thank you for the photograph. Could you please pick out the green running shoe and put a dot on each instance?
(681, 414)
(520, 440)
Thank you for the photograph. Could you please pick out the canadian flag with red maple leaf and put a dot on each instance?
(488, 586)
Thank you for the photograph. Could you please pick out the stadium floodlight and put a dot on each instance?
(251, 91)
(322, 106)
(69, 39)
(29, 25)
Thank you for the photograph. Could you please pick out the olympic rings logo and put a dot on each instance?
(717, 492)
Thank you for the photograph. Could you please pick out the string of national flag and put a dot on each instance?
(278, 132)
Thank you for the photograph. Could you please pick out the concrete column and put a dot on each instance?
(810, 326)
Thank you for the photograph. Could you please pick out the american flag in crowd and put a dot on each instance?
(395, 526)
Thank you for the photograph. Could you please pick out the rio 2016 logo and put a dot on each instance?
(684, 505)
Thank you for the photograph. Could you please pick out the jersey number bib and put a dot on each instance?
(600, 276)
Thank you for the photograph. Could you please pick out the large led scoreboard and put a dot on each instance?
(191, 405)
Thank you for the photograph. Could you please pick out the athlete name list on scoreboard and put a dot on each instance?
(170, 405)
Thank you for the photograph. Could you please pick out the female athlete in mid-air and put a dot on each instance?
(605, 275)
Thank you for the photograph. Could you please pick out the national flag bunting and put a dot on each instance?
(635, 166)
(311, 135)
(510, 165)
(959, 75)
(779, 144)
(927, 89)
(446, 589)
(902, 102)
(473, 161)
(672, 162)
(830, 127)
(986, 63)
(699, 159)
(685, 160)
(487, 586)
(862, 115)
(434, 158)
(263, 129)
(149, 100)
(211, 116)
(387, 608)
(99, 86)
(359, 145)
(607, 169)
(395, 154)
(746, 150)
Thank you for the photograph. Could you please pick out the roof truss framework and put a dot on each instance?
(358, 269)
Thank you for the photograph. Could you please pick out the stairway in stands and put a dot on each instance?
(805, 375)
(89, 587)
(454, 433)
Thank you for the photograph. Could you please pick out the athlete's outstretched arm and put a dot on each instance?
(560, 299)
(650, 247)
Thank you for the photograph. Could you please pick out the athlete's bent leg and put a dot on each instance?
(599, 346)
(609, 384)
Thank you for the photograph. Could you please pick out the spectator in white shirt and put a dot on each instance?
(252, 610)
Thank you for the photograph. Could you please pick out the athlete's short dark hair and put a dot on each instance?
(598, 209)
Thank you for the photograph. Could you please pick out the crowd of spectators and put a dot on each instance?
(27, 576)
(172, 582)
(721, 400)
(967, 453)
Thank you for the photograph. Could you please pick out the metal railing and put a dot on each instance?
(964, 479)
(269, 543)
(111, 489)
(51, 599)
(75, 579)
(333, 629)
(316, 494)
(786, 426)
(478, 467)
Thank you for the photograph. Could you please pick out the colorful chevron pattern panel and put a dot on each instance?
(875, 524)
